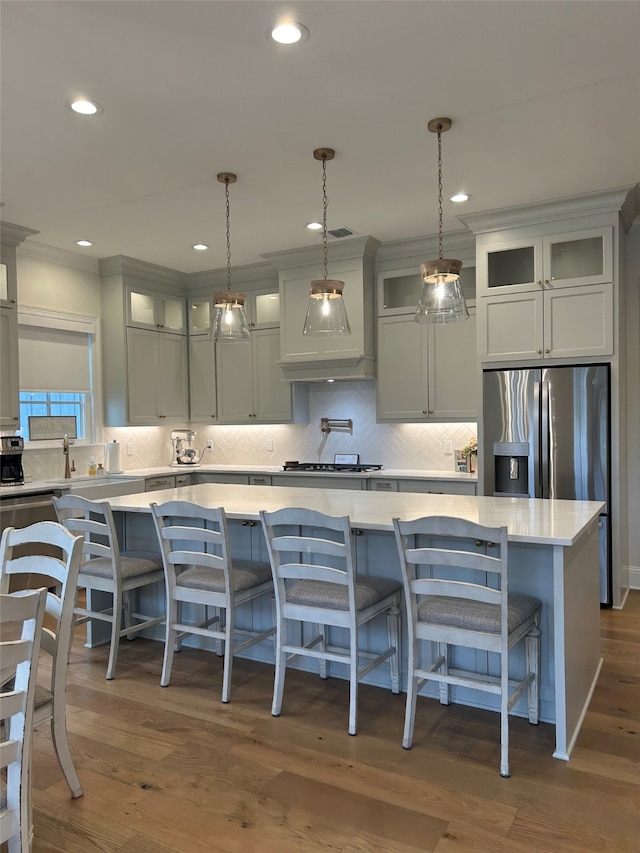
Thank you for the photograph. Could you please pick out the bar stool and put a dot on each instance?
(313, 565)
(459, 597)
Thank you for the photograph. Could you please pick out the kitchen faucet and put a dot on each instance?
(65, 450)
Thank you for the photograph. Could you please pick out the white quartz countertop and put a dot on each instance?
(547, 522)
(395, 473)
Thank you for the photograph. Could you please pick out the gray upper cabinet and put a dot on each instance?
(424, 372)
(145, 368)
(11, 236)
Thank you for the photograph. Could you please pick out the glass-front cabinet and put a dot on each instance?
(572, 259)
(161, 312)
(399, 291)
(262, 307)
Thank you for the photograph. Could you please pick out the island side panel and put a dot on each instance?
(578, 654)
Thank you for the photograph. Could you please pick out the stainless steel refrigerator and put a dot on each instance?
(546, 435)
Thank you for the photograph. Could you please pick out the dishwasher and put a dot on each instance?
(20, 511)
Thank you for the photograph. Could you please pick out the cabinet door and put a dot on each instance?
(142, 309)
(271, 392)
(202, 379)
(402, 369)
(171, 315)
(200, 313)
(510, 327)
(9, 377)
(8, 283)
(234, 383)
(265, 310)
(173, 377)
(142, 372)
(513, 266)
(578, 321)
(578, 258)
(453, 374)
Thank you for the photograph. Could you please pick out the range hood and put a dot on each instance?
(316, 359)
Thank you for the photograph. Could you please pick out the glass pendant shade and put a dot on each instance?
(229, 324)
(326, 314)
(442, 300)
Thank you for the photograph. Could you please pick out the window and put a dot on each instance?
(59, 373)
(55, 404)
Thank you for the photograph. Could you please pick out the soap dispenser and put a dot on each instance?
(92, 467)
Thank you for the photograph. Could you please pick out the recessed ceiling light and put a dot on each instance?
(314, 226)
(84, 243)
(200, 247)
(460, 197)
(289, 32)
(84, 107)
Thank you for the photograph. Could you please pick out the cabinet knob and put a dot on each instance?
(539, 283)
(245, 523)
(425, 412)
(479, 543)
(430, 411)
(539, 351)
(12, 301)
(356, 532)
(491, 544)
(547, 282)
(547, 350)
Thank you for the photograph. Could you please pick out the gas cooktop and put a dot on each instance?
(329, 467)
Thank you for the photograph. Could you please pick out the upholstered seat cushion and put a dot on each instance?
(42, 696)
(132, 565)
(245, 574)
(476, 615)
(369, 590)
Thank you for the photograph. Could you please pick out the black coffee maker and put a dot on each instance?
(11, 449)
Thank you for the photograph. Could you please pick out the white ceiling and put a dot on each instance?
(544, 98)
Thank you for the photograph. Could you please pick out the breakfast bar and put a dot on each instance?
(553, 554)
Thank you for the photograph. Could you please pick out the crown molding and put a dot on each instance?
(14, 235)
(539, 213)
(124, 265)
(345, 249)
(62, 257)
(456, 243)
(260, 274)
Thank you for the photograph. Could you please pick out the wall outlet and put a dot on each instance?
(269, 444)
(448, 448)
(210, 444)
(130, 448)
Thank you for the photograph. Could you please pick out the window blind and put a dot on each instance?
(54, 359)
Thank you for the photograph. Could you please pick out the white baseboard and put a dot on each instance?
(634, 577)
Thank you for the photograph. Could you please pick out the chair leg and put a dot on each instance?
(393, 631)
(445, 689)
(219, 642)
(353, 683)
(115, 633)
(504, 716)
(228, 656)
(61, 746)
(281, 665)
(412, 696)
(323, 663)
(169, 643)
(532, 652)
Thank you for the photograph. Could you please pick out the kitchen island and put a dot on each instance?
(553, 555)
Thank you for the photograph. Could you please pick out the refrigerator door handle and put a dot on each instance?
(534, 467)
(545, 433)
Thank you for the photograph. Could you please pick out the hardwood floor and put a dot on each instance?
(173, 770)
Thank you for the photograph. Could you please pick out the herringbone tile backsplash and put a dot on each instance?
(392, 445)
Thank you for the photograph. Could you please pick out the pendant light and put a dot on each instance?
(229, 323)
(442, 299)
(326, 314)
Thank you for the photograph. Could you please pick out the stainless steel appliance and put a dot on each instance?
(546, 435)
(11, 450)
(354, 468)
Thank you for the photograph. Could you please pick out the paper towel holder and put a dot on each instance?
(112, 457)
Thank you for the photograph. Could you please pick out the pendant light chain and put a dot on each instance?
(324, 219)
(440, 255)
(226, 195)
